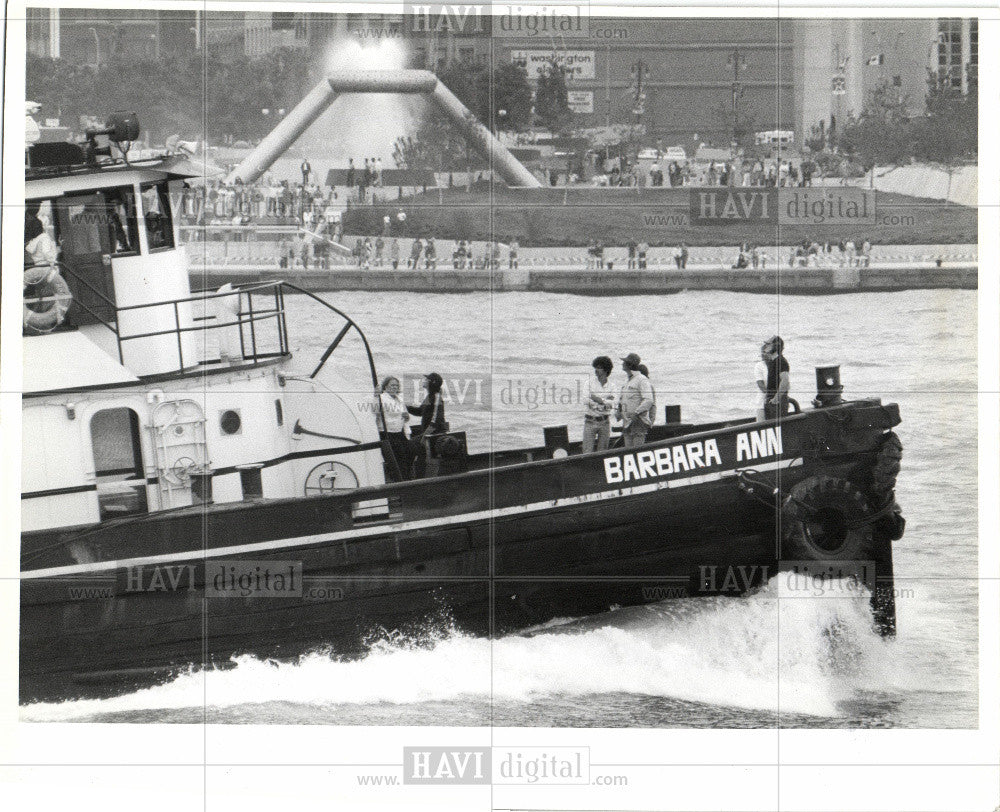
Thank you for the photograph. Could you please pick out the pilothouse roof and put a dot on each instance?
(48, 183)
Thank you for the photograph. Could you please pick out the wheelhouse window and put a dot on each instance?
(83, 232)
(121, 477)
(156, 213)
(123, 231)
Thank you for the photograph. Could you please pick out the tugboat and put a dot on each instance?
(172, 458)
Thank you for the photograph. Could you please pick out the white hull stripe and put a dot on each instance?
(383, 529)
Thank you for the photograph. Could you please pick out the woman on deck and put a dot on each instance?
(392, 421)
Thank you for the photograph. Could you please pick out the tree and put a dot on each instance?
(882, 134)
(740, 128)
(505, 102)
(552, 99)
(170, 94)
(463, 79)
(948, 132)
(438, 144)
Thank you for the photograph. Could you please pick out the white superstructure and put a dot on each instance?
(141, 395)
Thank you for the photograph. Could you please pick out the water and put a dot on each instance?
(768, 659)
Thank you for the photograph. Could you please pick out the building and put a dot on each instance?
(683, 80)
(95, 36)
(838, 63)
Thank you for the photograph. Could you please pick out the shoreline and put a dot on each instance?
(791, 281)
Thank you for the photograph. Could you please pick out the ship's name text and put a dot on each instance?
(659, 462)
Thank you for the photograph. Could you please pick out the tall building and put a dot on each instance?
(838, 63)
(43, 32)
(680, 79)
(93, 36)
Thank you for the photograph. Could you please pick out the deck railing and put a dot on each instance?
(261, 325)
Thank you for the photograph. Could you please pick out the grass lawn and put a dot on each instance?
(660, 216)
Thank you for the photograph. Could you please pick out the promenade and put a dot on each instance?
(913, 272)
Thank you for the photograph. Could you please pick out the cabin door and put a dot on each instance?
(85, 245)
(118, 464)
(178, 435)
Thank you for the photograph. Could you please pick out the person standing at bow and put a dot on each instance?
(776, 394)
(635, 403)
(597, 417)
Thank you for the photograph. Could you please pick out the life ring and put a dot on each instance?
(825, 518)
(47, 297)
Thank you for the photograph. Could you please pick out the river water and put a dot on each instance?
(769, 659)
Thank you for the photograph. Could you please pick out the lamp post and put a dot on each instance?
(640, 73)
(738, 63)
(97, 47)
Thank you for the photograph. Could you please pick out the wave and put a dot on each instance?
(773, 651)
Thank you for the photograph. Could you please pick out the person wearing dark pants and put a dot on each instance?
(776, 394)
(392, 419)
(432, 422)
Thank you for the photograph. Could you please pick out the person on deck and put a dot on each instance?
(432, 422)
(776, 403)
(652, 409)
(597, 418)
(39, 247)
(392, 418)
(635, 403)
(760, 378)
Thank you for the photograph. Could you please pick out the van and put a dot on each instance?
(775, 138)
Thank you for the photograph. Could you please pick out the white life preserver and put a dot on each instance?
(47, 301)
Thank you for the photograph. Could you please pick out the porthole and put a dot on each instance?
(230, 422)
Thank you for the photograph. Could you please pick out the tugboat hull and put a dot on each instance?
(111, 607)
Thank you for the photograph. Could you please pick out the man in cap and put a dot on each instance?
(776, 393)
(635, 403)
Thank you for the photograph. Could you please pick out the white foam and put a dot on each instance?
(773, 651)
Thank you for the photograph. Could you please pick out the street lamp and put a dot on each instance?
(640, 73)
(97, 47)
(738, 63)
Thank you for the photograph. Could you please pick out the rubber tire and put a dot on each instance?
(841, 505)
(886, 468)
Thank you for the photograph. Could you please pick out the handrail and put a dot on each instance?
(64, 268)
(204, 295)
(201, 328)
(345, 317)
(386, 448)
(70, 272)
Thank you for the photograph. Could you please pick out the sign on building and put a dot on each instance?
(577, 64)
(581, 101)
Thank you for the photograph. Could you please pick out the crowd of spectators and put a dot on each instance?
(264, 201)
(737, 172)
(384, 251)
(846, 253)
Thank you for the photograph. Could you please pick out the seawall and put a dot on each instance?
(792, 281)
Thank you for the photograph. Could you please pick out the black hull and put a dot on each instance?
(487, 552)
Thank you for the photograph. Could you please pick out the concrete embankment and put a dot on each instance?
(606, 283)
